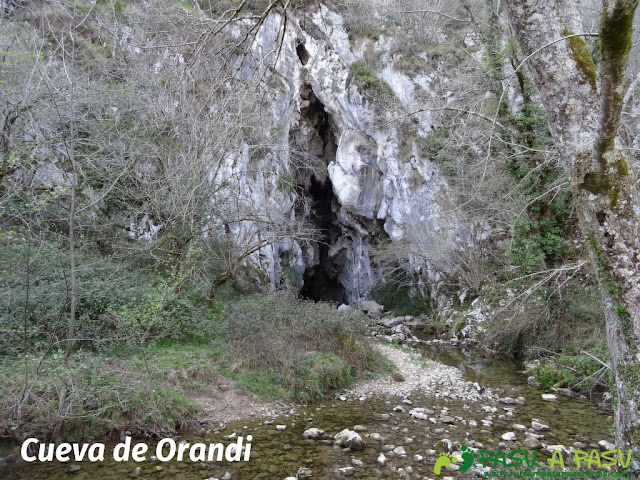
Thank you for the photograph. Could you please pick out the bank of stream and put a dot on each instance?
(383, 421)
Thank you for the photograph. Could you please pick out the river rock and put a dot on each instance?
(564, 450)
(356, 463)
(518, 427)
(391, 322)
(400, 451)
(349, 438)
(606, 445)
(382, 459)
(359, 428)
(563, 391)
(531, 380)
(346, 471)
(419, 414)
(388, 448)
(304, 472)
(509, 437)
(531, 443)
(549, 397)
(313, 433)
(539, 427)
(226, 476)
(281, 428)
(508, 400)
(401, 333)
(75, 469)
(447, 419)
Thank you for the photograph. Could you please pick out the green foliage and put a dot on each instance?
(117, 5)
(116, 305)
(536, 244)
(370, 84)
(398, 299)
(411, 64)
(566, 316)
(97, 392)
(436, 147)
(278, 345)
(532, 125)
(575, 370)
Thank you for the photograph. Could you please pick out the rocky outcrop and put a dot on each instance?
(361, 174)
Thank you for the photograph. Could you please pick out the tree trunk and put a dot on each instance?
(583, 110)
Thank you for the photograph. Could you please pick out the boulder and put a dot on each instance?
(539, 427)
(349, 438)
(313, 433)
(372, 309)
(531, 443)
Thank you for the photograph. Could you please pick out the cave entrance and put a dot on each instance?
(303, 55)
(322, 281)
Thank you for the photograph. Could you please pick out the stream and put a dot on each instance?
(277, 454)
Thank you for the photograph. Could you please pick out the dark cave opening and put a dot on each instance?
(323, 146)
(322, 281)
(303, 55)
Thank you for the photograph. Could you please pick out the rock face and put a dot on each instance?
(360, 173)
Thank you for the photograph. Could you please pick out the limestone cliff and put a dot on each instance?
(368, 179)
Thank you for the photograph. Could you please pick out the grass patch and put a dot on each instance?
(98, 392)
(369, 83)
(411, 64)
(279, 346)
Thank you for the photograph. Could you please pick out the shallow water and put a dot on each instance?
(278, 454)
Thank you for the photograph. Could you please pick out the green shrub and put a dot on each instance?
(370, 84)
(536, 245)
(559, 317)
(578, 370)
(411, 64)
(278, 345)
(96, 392)
(116, 304)
(398, 299)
